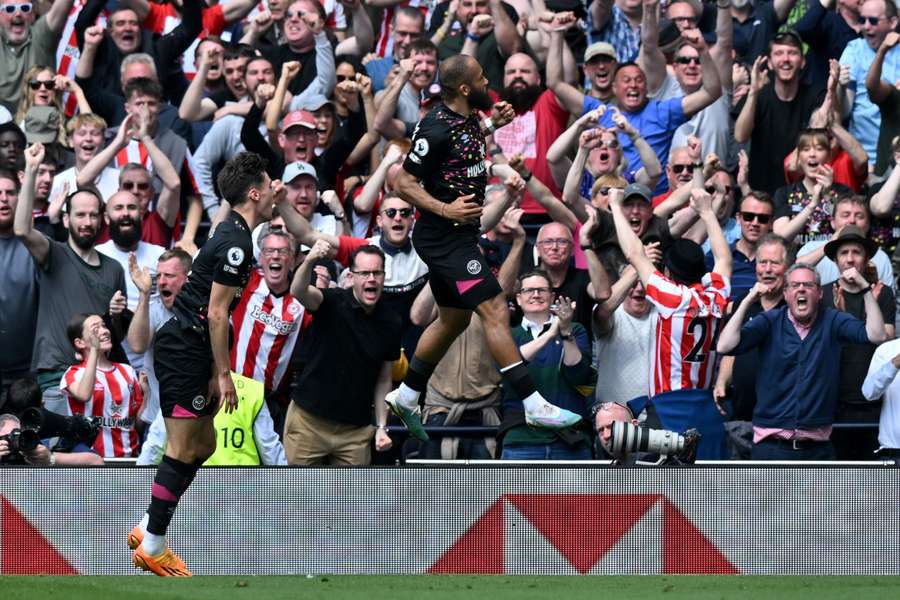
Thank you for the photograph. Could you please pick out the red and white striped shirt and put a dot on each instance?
(136, 152)
(68, 54)
(689, 319)
(116, 400)
(266, 328)
(384, 45)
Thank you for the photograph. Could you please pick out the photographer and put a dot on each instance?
(40, 455)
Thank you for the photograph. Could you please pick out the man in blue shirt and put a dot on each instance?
(407, 26)
(799, 362)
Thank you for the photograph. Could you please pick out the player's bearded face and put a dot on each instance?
(479, 98)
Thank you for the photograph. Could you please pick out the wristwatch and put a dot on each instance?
(567, 336)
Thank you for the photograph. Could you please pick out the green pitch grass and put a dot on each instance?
(420, 587)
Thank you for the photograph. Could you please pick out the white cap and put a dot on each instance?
(296, 169)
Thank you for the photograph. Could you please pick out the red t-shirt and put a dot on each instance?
(530, 134)
(657, 200)
(155, 21)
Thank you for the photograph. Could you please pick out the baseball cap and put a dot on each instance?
(298, 117)
(296, 169)
(638, 189)
(599, 49)
(41, 124)
(314, 102)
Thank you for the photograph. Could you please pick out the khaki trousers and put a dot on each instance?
(312, 440)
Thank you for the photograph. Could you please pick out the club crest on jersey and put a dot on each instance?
(235, 256)
(198, 403)
(421, 148)
(473, 267)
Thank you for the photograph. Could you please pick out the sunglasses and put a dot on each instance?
(687, 60)
(47, 85)
(678, 169)
(761, 218)
(135, 185)
(392, 212)
(870, 20)
(341, 78)
(611, 144)
(24, 8)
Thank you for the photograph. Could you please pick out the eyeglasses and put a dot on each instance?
(405, 213)
(688, 60)
(136, 185)
(761, 218)
(276, 251)
(555, 242)
(534, 290)
(367, 274)
(807, 285)
(871, 20)
(24, 8)
(47, 85)
(677, 169)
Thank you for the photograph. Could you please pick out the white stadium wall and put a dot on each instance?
(546, 520)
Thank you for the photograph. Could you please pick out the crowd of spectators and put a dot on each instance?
(766, 132)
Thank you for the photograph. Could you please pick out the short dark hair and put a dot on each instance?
(410, 12)
(11, 127)
(245, 170)
(423, 45)
(624, 65)
(234, 51)
(533, 273)
(75, 327)
(67, 206)
(367, 249)
(143, 86)
(759, 196)
(453, 72)
(351, 60)
(214, 39)
(23, 393)
(850, 199)
(6, 174)
(178, 254)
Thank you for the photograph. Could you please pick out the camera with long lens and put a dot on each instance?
(25, 438)
(73, 429)
(672, 448)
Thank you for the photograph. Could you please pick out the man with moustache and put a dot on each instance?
(800, 347)
(540, 119)
(735, 389)
(448, 158)
(123, 216)
(72, 275)
(398, 106)
(406, 26)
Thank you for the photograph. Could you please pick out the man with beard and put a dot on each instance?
(878, 18)
(123, 216)
(26, 41)
(73, 277)
(43, 184)
(483, 29)
(191, 356)
(540, 119)
(797, 391)
(773, 114)
(448, 159)
(735, 389)
(398, 108)
(406, 26)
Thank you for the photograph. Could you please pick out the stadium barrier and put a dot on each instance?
(490, 519)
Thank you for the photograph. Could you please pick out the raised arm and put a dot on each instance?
(35, 242)
(629, 242)
(139, 328)
(58, 15)
(711, 89)
(364, 203)
(730, 336)
(385, 123)
(140, 7)
(603, 312)
(569, 97)
(83, 389)
(650, 173)
(95, 166)
(194, 106)
(790, 227)
(91, 38)
(759, 78)
(877, 88)
(508, 39)
(309, 295)
(701, 202)
(494, 210)
(854, 282)
(598, 288)
(169, 197)
(557, 153)
(783, 9)
(650, 58)
(235, 10)
(555, 208)
(721, 52)
(882, 203)
(289, 71)
(601, 12)
(509, 270)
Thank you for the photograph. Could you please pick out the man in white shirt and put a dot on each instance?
(882, 382)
